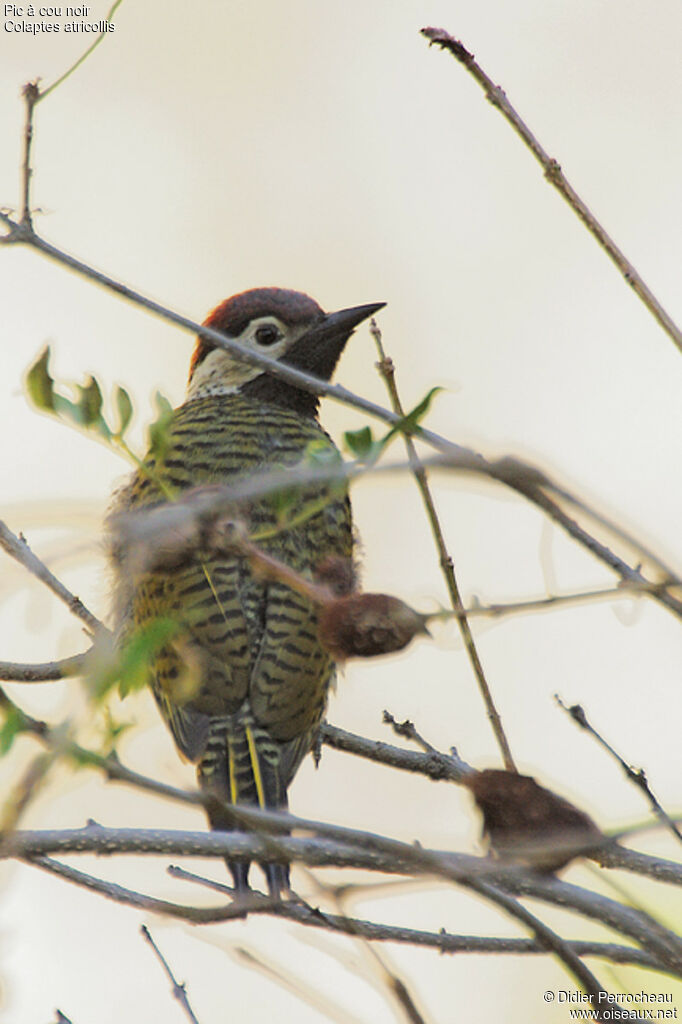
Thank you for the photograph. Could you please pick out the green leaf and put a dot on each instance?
(131, 668)
(145, 644)
(86, 412)
(124, 408)
(90, 401)
(411, 420)
(68, 410)
(159, 429)
(359, 442)
(11, 727)
(362, 445)
(40, 384)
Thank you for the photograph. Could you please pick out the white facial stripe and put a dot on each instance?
(219, 373)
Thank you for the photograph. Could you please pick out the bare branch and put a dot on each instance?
(434, 765)
(31, 95)
(556, 177)
(47, 671)
(437, 766)
(179, 990)
(387, 371)
(553, 943)
(442, 940)
(302, 913)
(637, 776)
(21, 552)
(236, 910)
(367, 851)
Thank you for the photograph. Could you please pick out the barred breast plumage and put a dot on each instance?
(243, 681)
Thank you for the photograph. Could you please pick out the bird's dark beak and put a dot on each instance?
(346, 320)
(319, 349)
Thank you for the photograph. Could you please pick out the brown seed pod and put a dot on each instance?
(366, 625)
(530, 824)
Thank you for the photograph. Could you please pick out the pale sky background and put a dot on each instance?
(322, 146)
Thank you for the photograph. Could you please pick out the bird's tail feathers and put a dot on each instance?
(241, 765)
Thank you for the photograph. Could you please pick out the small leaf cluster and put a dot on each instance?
(85, 410)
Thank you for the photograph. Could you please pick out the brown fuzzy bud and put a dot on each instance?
(530, 824)
(365, 625)
(338, 575)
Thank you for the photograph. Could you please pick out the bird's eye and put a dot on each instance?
(267, 335)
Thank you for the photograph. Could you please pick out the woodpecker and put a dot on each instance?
(259, 676)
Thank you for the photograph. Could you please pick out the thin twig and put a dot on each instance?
(442, 940)
(556, 178)
(436, 766)
(636, 775)
(179, 990)
(256, 903)
(31, 94)
(384, 855)
(624, 589)
(72, 667)
(84, 56)
(387, 371)
(526, 480)
(237, 909)
(408, 730)
(24, 791)
(21, 552)
(389, 979)
(213, 501)
(555, 944)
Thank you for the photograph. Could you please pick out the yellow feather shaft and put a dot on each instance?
(232, 774)
(255, 765)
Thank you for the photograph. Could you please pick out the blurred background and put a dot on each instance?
(324, 147)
